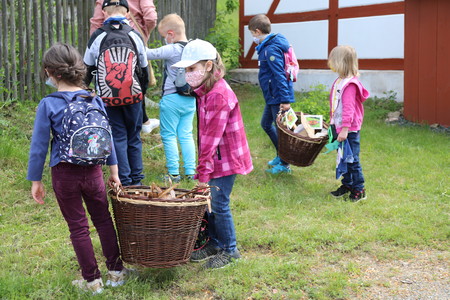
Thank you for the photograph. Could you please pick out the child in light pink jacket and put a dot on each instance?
(346, 114)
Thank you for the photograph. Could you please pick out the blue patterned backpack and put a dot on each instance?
(85, 137)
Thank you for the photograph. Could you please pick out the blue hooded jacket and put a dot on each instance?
(272, 78)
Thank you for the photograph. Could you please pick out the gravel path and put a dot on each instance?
(426, 276)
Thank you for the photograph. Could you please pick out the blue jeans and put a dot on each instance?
(268, 120)
(176, 117)
(126, 124)
(220, 221)
(354, 177)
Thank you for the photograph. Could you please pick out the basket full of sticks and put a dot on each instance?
(157, 227)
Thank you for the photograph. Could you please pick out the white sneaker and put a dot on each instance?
(118, 278)
(95, 286)
(151, 124)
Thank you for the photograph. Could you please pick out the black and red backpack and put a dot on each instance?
(119, 75)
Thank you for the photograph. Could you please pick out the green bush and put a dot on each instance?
(224, 36)
(314, 102)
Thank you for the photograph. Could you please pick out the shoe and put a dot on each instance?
(341, 191)
(118, 278)
(356, 196)
(172, 178)
(95, 286)
(204, 253)
(279, 169)
(148, 126)
(189, 177)
(275, 161)
(221, 260)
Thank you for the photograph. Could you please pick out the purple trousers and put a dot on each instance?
(73, 184)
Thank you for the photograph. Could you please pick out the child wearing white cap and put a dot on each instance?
(222, 146)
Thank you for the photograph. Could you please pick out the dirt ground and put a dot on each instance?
(425, 276)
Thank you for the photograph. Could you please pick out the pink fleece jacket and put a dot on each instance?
(353, 95)
(144, 12)
(222, 142)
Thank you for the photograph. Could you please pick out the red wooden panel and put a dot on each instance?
(372, 10)
(333, 25)
(443, 64)
(411, 75)
(427, 60)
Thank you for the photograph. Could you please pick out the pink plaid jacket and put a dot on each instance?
(222, 143)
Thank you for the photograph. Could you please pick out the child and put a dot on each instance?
(346, 114)
(121, 85)
(278, 91)
(143, 17)
(64, 69)
(223, 147)
(176, 111)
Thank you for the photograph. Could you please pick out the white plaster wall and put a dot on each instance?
(295, 6)
(374, 37)
(376, 82)
(347, 3)
(254, 7)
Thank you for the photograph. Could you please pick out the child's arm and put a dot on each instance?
(38, 191)
(164, 52)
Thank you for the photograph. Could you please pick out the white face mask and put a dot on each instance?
(195, 78)
(50, 83)
(256, 40)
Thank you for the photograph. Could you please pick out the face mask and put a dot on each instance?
(166, 41)
(256, 40)
(50, 83)
(195, 78)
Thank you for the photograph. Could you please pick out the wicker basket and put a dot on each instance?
(297, 149)
(157, 233)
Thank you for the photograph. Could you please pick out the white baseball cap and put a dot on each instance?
(194, 52)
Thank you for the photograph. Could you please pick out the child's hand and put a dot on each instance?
(343, 134)
(38, 191)
(114, 181)
(285, 106)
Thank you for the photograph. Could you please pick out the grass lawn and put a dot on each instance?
(297, 241)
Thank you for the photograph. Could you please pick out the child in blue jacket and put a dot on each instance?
(278, 91)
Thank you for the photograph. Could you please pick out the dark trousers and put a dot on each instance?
(354, 177)
(73, 184)
(268, 121)
(126, 125)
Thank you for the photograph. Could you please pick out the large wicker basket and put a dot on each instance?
(297, 149)
(157, 233)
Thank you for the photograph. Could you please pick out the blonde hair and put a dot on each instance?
(115, 10)
(344, 61)
(216, 73)
(172, 22)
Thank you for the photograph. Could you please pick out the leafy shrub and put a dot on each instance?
(314, 102)
(224, 36)
(388, 102)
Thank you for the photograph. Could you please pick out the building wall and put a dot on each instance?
(374, 27)
(427, 61)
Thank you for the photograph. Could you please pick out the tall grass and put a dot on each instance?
(297, 241)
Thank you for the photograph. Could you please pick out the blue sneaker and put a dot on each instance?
(275, 161)
(278, 169)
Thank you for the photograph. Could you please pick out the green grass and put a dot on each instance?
(296, 240)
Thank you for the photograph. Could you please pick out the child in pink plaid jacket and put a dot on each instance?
(223, 148)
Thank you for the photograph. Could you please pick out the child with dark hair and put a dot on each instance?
(63, 68)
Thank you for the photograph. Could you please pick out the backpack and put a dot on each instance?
(85, 138)
(291, 64)
(118, 68)
(182, 87)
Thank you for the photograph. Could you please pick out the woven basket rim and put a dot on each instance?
(143, 200)
(298, 136)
